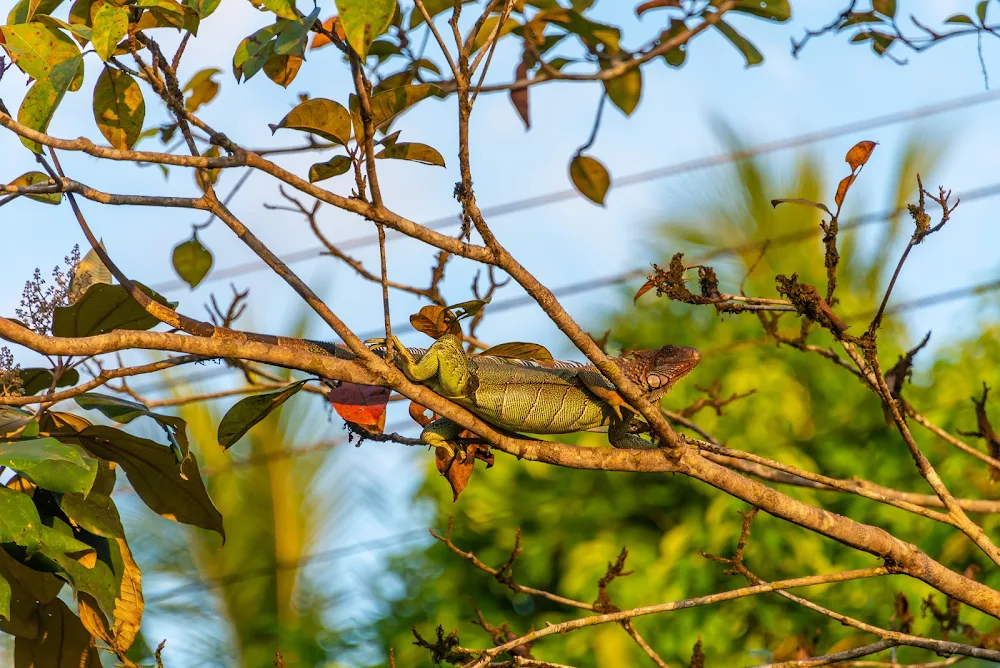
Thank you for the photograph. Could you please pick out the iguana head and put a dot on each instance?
(656, 371)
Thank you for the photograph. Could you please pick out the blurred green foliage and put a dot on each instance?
(804, 411)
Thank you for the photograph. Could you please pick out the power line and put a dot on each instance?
(571, 289)
(269, 571)
(524, 204)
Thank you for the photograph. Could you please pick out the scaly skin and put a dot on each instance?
(523, 396)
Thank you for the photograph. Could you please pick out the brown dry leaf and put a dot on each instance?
(646, 287)
(519, 97)
(435, 321)
(842, 188)
(521, 351)
(419, 414)
(655, 4)
(458, 468)
(363, 405)
(859, 154)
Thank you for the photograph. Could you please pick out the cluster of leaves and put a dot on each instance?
(58, 523)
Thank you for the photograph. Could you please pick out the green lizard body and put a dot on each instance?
(532, 397)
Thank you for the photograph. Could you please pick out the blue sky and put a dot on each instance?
(831, 83)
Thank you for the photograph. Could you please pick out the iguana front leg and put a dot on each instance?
(619, 436)
(444, 367)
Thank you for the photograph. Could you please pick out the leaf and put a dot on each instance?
(90, 271)
(201, 88)
(859, 154)
(389, 104)
(282, 70)
(204, 8)
(778, 11)
(35, 178)
(469, 308)
(282, 8)
(980, 9)
(119, 108)
(22, 11)
(742, 44)
(364, 21)
(646, 287)
(50, 464)
(128, 603)
(291, 40)
(251, 410)
(110, 26)
(519, 97)
(842, 189)
(960, 18)
(319, 116)
(93, 512)
(35, 380)
(13, 421)
(456, 467)
(192, 261)
(799, 200)
(521, 351)
(886, 7)
(421, 153)
(82, 33)
(21, 525)
(104, 308)
(40, 102)
(433, 7)
(676, 56)
(175, 491)
(253, 52)
(36, 586)
(625, 90)
(655, 4)
(37, 49)
(435, 321)
(486, 31)
(335, 166)
(5, 595)
(363, 405)
(62, 641)
(590, 178)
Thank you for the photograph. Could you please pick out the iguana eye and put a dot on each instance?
(653, 380)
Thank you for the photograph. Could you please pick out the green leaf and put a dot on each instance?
(21, 525)
(34, 178)
(192, 261)
(364, 21)
(201, 88)
(293, 37)
(175, 491)
(34, 381)
(625, 90)
(590, 178)
(335, 166)
(251, 410)
(433, 7)
(119, 108)
(319, 116)
(94, 512)
(282, 70)
(799, 200)
(960, 18)
(885, 7)
(50, 464)
(282, 8)
(254, 50)
(40, 102)
(104, 308)
(980, 9)
(110, 26)
(37, 48)
(775, 10)
(749, 51)
(27, 10)
(124, 411)
(675, 57)
(83, 33)
(203, 8)
(489, 25)
(421, 153)
(5, 594)
(389, 104)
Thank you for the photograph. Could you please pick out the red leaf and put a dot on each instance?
(363, 405)
(519, 97)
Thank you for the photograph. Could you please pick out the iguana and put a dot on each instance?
(535, 397)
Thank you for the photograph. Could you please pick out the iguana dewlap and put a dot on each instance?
(525, 396)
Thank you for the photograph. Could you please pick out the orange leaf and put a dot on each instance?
(363, 405)
(333, 25)
(842, 189)
(458, 468)
(646, 287)
(418, 413)
(435, 321)
(859, 154)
